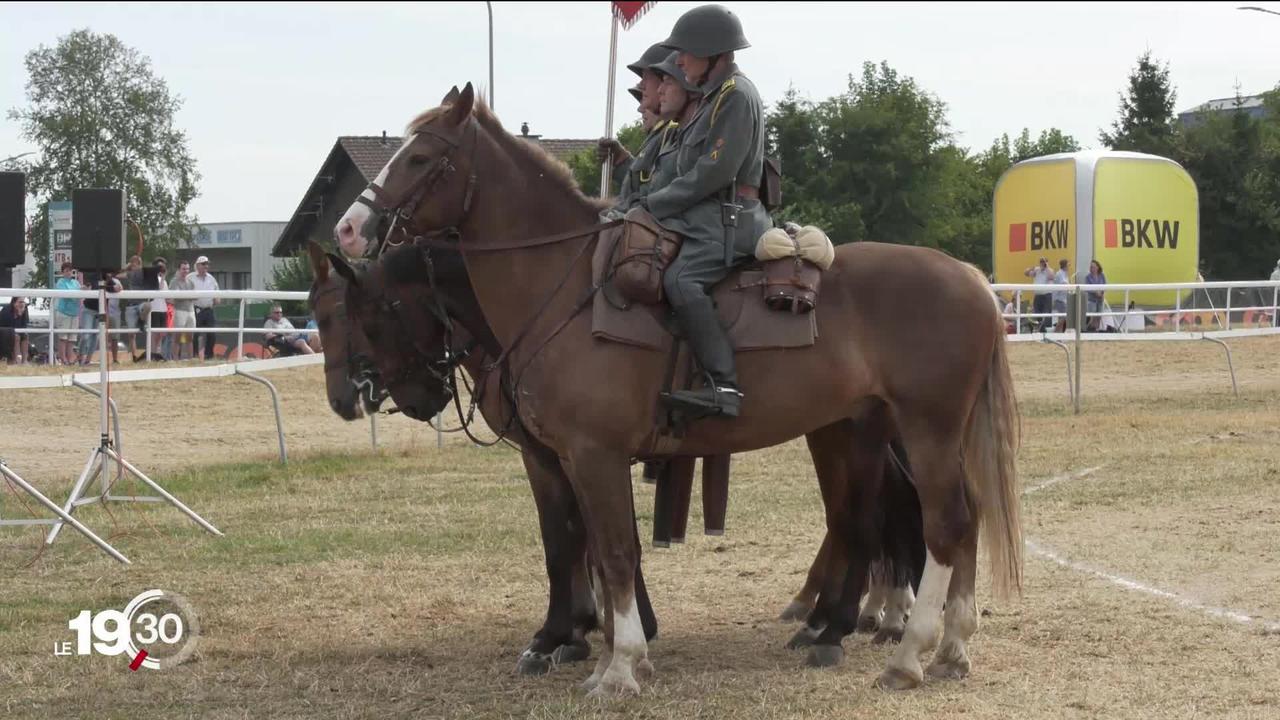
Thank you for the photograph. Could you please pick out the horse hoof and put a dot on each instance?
(949, 670)
(532, 663)
(897, 679)
(573, 652)
(611, 686)
(822, 656)
(803, 638)
(644, 670)
(888, 635)
(796, 611)
(868, 624)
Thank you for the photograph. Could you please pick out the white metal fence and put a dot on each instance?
(1226, 305)
(1214, 311)
(154, 334)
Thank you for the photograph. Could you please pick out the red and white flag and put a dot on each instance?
(629, 12)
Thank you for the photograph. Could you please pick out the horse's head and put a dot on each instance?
(351, 381)
(427, 185)
(390, 303)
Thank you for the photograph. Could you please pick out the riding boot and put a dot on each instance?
(711, 346)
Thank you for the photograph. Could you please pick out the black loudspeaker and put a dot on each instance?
(97, 229)
(13, 219)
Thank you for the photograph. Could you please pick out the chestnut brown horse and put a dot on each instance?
(910, 345)
(395, 300)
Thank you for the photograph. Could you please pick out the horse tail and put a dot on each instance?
(902, 552)
(991, 476)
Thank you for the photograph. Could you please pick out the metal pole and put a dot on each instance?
(115, 411)
(439, 435)
(1079, 314)
(103, 380)
(1235, 389)
(489, 7)
(373, 429)
(62, 514)
(163, 493)
(240, 335)
(275, 401)
(1017, 311)
(606, 167)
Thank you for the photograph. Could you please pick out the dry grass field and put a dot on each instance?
(403, 582)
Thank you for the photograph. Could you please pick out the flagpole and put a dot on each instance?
(607, 166)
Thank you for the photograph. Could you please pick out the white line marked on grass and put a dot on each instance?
(1063, 478)
(1236, 616)
(1128, 584)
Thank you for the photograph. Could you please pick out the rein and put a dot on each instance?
(403, 206)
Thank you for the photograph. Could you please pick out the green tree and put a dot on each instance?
(972, 187)
(864, 164)
(586, 171)
(1146, 122)
(293, 274)
(100, 117)
(1234, 159)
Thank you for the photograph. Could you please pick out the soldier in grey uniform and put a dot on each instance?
(678, 100)
(628, 169)
(674, 106)
(713, 201)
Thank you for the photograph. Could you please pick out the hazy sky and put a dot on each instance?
(268, 87)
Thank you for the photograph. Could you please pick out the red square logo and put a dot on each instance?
(1018, 237)
(1109, 228)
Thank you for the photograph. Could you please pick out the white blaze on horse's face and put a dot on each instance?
(349, 230)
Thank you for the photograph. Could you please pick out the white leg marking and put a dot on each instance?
(872, 611)
(952, 658)
(630, 653)
(922, 629)
(899, 603)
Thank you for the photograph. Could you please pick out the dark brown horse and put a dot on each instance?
(352, 384)
(571, 610)
(910, 345)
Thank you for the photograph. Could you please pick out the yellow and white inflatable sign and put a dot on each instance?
(1138, 215)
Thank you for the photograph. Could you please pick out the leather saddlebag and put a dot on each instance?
(791, 285)
(643, 252)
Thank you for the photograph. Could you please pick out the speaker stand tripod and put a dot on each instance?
(40, 498)
(101, 456)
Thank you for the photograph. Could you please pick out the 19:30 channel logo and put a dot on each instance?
(156, 630)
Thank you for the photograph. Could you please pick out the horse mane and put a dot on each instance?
(547, 164)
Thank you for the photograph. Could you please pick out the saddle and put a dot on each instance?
(763, 305)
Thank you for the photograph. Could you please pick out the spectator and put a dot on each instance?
(1094, 299)
(133, 317)
(1010, 318)
(1275, 312)
(14, 317)
(89, 320)
(159, 311)
(287, 344)
(314, 338)
(184, 312)
(66, 313)
(1060, 298)
(204, 306)
(1040, 306)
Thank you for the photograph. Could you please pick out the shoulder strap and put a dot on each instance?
(728, 87)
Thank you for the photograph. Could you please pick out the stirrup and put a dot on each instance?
(723, 400)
